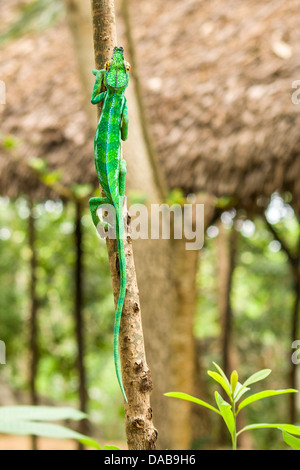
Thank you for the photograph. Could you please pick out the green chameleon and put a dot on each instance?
(111, 169)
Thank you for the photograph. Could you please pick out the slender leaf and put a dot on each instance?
(221, 372)
(234, 378)
(111, 448)
(291, 441)
(290, 428)
(185, 396)
(264, 394)
(39, 413)
(28, 428)
(240, 391)
(88, 442)
(226, 412)
(260, 375)
(218, 378)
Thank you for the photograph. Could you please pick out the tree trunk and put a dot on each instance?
(294, 261)
(33, 316)
(226, 252)
(79, 320)
(226, 256)
(182, 363)
(294, 336)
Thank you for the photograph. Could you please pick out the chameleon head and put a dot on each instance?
(117, 70)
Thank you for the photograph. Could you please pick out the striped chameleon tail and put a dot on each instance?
(123, 282)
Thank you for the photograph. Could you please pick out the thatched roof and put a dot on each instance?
(217, 78)
(45, 113)
(218, 82)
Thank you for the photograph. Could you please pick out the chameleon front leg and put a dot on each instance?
(97, 96)
(95, 203)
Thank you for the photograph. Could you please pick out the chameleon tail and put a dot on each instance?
(123, 282)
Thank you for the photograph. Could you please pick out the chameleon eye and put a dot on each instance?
(107, 65)
(127, 66)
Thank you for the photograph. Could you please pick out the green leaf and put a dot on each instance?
(222, 373)
(111, 448)
(10, 142)
(52, 178)
(226, 412)
(264, 394)
(88, 442)
(39, 413)
(218, 378)
(36, 15)
(260, 375)
(240, 391)
(290, 428)
(234, 380)
(82, 190)
(30, 428)
(291, 441)
(185, 396)
(38, 164)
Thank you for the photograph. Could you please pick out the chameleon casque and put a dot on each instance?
(111, 169)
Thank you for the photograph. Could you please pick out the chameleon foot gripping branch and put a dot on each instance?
(111, 170)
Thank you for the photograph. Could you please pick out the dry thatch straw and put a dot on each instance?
(218, 83)
(217, 78)
(44, 113)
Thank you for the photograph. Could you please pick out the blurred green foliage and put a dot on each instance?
(262, 300)
(55, 247)
(33, 16)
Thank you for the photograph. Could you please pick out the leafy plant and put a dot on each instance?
(230, 409)
(29, 421)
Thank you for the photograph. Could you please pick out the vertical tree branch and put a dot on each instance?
(140, 431)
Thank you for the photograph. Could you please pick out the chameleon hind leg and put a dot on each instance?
(95, 203)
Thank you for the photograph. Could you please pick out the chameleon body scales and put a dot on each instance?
(111, 170)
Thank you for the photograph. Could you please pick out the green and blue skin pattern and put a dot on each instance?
(111, 170)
